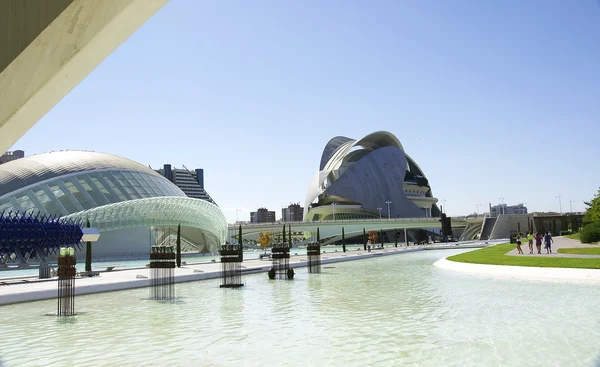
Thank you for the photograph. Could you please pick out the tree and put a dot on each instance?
(88, 251)
(318, 236)
(592, 213)
(283, 242)
(364, 240)
(343, 240)
(241, 244)
(290, 234)
(178, 259)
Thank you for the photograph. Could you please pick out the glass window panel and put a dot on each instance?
(118, 175)
(128, 190)
(71, 187)
(98, 184)
(25, 202)
(140, 190)
(127, 175)
(56, 191)
(109, 179)
(122, 197)
(6, 207)
(134, 196)
(85, 184)
(136, 175)
(41, 196)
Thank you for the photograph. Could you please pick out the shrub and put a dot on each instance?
(565, 233)
(590, 233)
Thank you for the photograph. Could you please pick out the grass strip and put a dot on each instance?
(496, 255)
(580, 251)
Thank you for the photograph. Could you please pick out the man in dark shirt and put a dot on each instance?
(548, 239)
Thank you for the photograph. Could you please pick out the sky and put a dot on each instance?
(492, 99)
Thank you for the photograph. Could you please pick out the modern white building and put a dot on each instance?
(129, 203)
(368, 178)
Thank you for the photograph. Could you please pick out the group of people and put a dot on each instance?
(538, 238)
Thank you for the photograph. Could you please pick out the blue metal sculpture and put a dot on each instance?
(25, 235)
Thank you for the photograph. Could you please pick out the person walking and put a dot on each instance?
(519, 237)
(530, 241)
(538, 242)
(548, 239)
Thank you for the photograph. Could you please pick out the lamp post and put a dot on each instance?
(502, 205)
(444, 206)
(379, 212)
(571, 206)
(237, 214)
(559, 202)
(477, 205)
(388, 203)
(333, 208)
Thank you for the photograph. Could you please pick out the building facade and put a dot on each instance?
(190, 182)
(368, 178)
(129, 203)
(11, 156)
(507, 209)
(262, 215)
(293, 213)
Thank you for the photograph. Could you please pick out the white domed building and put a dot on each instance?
(128, 202)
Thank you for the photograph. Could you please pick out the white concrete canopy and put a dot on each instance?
(61, 56)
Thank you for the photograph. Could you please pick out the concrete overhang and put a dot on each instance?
(47, 47)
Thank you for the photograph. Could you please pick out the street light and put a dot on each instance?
(379, 212)
(237, 214)
(502, 206)
(444, 206)
(388, 203)
(559, 202)
(477, 205)
(571, 205)
(333, 208)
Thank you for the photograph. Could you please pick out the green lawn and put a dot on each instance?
(574, 236)
(495, 255)
(580, 251)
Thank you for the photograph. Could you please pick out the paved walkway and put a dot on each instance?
(32, 289)
(559, 242)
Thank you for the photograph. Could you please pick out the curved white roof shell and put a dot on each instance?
(30, 170)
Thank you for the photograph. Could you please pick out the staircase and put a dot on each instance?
(488, 226)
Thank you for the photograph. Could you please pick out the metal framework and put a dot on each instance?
(159, 211)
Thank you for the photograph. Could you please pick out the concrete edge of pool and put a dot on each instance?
(139, 277)
(522, 272)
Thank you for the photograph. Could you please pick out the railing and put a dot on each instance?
(429, 219)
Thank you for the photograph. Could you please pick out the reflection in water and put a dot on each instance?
(394, 310)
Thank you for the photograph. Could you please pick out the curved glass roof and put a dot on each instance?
(72, 193)
(159, 211)
(33, 169)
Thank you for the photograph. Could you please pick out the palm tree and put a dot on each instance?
(178, 245)
(283, 242)
(88, 251)
(241, 244)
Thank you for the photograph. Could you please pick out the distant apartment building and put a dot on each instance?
(190, 182)
(11, 156)
(507, 209)
(262, 215)
(293, 213)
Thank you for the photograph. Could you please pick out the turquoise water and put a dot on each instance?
(389, 311)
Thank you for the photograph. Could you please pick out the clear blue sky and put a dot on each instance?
(492, 98)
